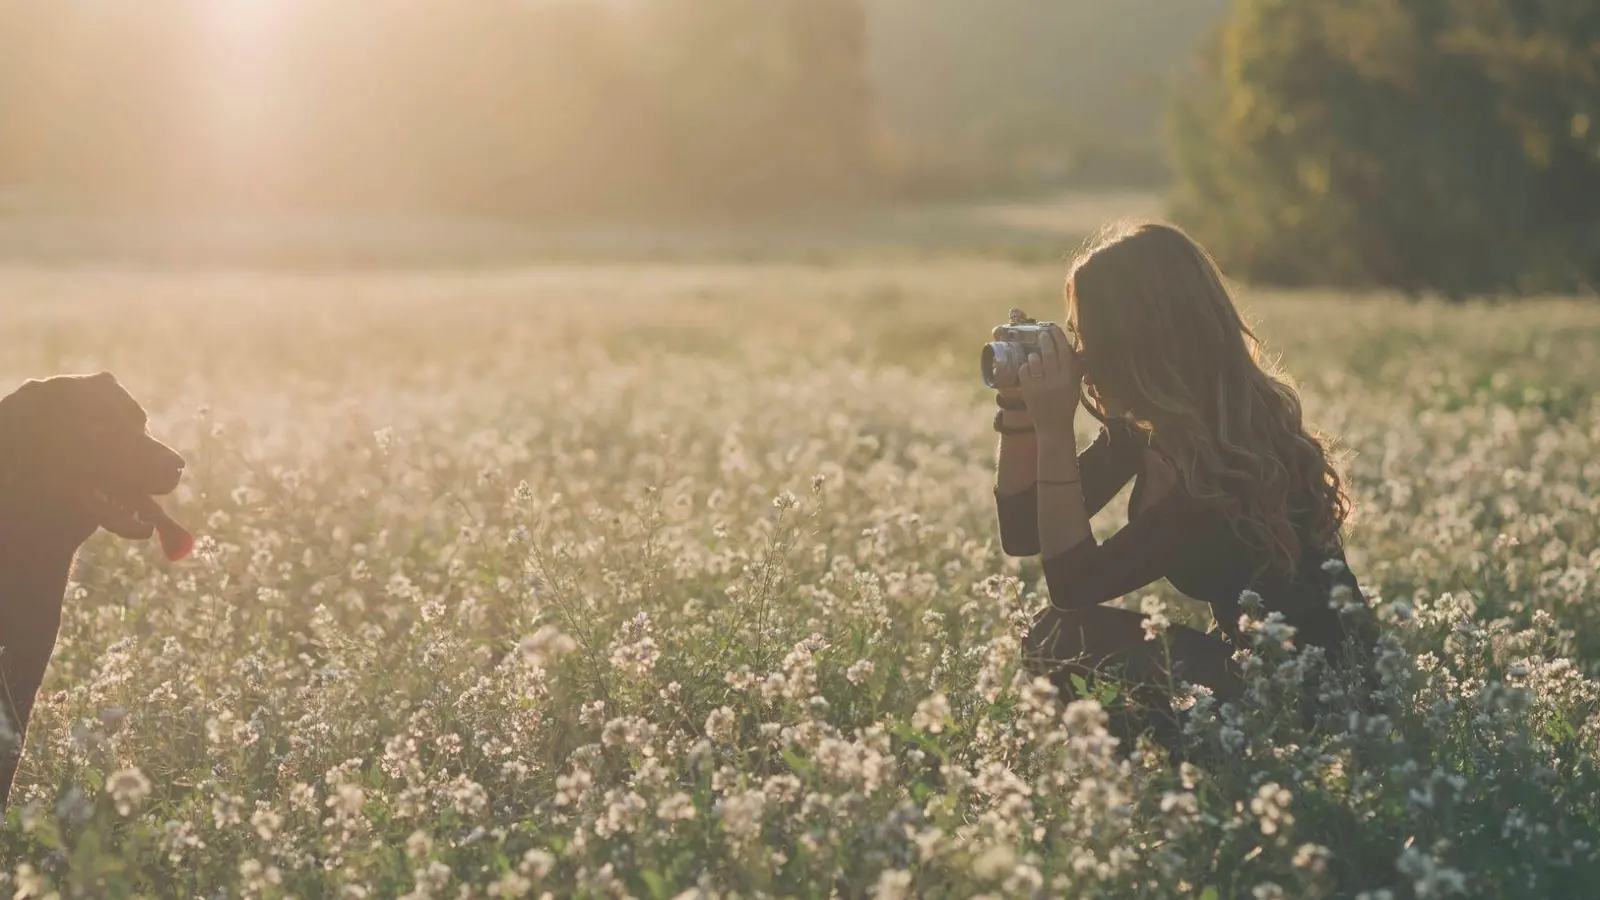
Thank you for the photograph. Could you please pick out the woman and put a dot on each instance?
(1231, 493)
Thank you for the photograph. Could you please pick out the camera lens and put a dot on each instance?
(998, 365)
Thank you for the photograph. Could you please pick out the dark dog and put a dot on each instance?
(75, 457)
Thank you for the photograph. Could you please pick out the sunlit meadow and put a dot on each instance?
(684, 582)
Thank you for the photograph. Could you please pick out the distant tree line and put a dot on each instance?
(1021, 95)
(1447, 146)
(514, 107)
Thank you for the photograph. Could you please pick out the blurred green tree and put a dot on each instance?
(1425, 145)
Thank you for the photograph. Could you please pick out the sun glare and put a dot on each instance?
(239, 102)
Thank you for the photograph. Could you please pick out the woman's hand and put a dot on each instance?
(1012, 396)
(1051, 385)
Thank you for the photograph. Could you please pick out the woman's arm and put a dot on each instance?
(1089, 573)
(1063, 516)
(1105, 466)
(1015, 499)
(1018, 455)
(1050, 383)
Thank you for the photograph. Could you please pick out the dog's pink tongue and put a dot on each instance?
(176, 541)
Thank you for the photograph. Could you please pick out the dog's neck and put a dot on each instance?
(37, 535)
(34, 571)
(35, 529)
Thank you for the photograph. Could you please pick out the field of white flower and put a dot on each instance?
(685, 582)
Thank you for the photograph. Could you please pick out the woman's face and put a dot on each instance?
(1105, 404)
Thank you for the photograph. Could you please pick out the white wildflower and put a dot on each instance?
(1313, 857)
(893, 884)
(128, 788)
(1271, 807)
(536, 864)
(511, 884)
(720, 725)
(1155, 620)
(931, 714)
(677, 807)
(545, 645)
(741, 815)
(347, 800)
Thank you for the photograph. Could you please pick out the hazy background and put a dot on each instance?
(1419, 144)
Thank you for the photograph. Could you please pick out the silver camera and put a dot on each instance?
(1002, 360)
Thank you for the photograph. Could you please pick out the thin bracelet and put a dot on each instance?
(1001, 426)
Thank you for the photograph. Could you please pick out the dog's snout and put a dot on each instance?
(165, 467)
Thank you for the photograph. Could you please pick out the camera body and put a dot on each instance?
(1002, 359)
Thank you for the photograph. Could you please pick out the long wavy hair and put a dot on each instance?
(1163, 344)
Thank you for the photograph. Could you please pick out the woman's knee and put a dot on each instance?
(1106, 639)
(1081, 634)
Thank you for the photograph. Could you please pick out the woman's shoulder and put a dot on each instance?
(1158, 484)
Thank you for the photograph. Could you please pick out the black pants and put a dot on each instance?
(1110, 642)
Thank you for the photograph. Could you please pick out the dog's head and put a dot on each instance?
(75, 455)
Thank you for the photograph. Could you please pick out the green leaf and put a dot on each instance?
(797, 763)
(1107, 693)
